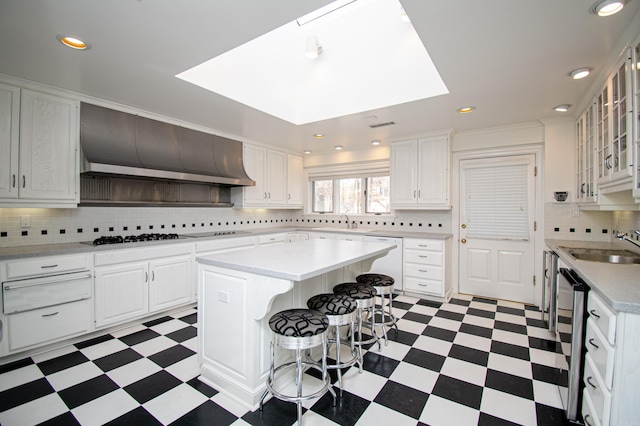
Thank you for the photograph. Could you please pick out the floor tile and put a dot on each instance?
(117, 359)
(377, 414)
(468, 354)
(152, 386)
(444, 323)
(153, 346)
(433, 345)
(103, 349)
(168, 326)
(511, 338)
(425, 359)
(510, 350)
(506, 364)
(175, 403)
(508, 383)
(183, 334)
(465, 371)
(185, 369)
(207, 413)
(86, 391)
(24, 393)
(365, 385)
(401, 398)
(509, 407)
(439, 333)
(171, 355)
(131, 373)
(74, 375)
(35, 411)
(139, 337)
(416, 317)
(547, 394)
(347, 411)
(455, 316)
(379, 364)
(138, 416)
(62, 362)
(18, 376)
(458, 391)
(440, 411)
(104, 409)
(416, 377)
(94, 341)
(476, 330)
(411, 326)
(472, 341)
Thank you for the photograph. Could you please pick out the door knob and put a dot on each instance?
(463, 241)
(464, 226)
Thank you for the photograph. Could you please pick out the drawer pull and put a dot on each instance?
(593, 344)
(422, 285)
(49, 315)
(423, 245)
(422, 270)
(586, 421)
(48, 266)
(591, 384)
(593, 313)
(423, 256)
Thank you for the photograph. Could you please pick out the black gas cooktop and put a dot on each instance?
(132, 239)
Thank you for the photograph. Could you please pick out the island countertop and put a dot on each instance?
(297, 261)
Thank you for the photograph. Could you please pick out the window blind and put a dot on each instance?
(496, 204)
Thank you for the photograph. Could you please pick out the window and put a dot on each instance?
(368, 195)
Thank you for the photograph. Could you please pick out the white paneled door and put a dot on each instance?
(497, 216)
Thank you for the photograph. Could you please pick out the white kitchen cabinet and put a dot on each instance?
(427, 267)
(586, 191)
(297, 236)
(270, 239)
(153, 280)
(614, 118)
(47, 168)
(636, 122)
(9, 140)
(611, 374)
(420, 174)
(294, 181)
(268, 168)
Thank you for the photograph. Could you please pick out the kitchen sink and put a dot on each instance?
(604, 255)
(343, 229)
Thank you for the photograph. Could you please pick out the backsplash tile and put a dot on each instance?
(52, 226)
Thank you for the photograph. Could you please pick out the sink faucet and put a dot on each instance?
(348, 221)
(622, 236)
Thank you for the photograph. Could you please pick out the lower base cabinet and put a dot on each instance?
(427, 268)
(129, 291)
(45, 325)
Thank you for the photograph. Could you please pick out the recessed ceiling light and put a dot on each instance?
(318, 135)
(467, 109)
(562, 108)
(607, 7)
(307, 151)
(338, 147)
(579, 73)
(73, 42)
(376, 142)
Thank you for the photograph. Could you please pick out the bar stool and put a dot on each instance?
(365, 297)
(384, 287)
(341, 311)
(298, 329)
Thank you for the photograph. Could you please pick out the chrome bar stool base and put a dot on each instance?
(299, 330)
(365, 297)
(384, 288)
(341, 311)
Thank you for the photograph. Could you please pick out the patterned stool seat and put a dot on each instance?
(298, 329)
(365, 297)
(384, 288)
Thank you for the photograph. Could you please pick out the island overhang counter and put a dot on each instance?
(238, 291)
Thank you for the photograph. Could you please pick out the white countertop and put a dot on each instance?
(297, 261)
(618, 284)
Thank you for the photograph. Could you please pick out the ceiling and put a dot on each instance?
(510, 59)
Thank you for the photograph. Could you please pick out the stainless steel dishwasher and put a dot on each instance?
(391, 264)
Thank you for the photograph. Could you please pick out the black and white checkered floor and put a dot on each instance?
(472, 361)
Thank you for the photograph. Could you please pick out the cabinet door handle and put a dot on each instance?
(13, 184)
(593, 313)
(265, 195)
(288, 196)
(269, 195)
(146, 277)
(607, 162)
(50, 315)
(153, 275)
(414, 193)
(593, 344)
(586, 420)
(582, 188)
(591, 384)
(24, 181)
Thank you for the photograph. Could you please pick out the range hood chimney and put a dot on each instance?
(122, 151)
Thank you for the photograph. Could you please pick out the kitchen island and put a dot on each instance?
(239, 291)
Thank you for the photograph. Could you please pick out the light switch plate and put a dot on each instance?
(25, 221)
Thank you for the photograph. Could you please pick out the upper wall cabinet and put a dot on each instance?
(614, 118)
(636, 121)
(268, 168)
(40, 166)
(294, 181)
(586, 192)
(420, 174)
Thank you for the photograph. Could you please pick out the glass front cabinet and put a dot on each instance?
(614, 118)
(586, 192)
(635, 66)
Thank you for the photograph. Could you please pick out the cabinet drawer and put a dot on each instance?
(602, 316)
(38, 293)
(47, 265)
(423, 257)
(48, 324)
(225, 244)
(588, 412)
(598, 393)
(419, 244)
(272, 239)
(601, 352)
(423, 271)
(423, 285)
(119, 256)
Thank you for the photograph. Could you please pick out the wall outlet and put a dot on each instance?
(575, 211)
(25, 221)
(223, 297)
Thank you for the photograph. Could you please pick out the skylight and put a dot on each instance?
(370, 58)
